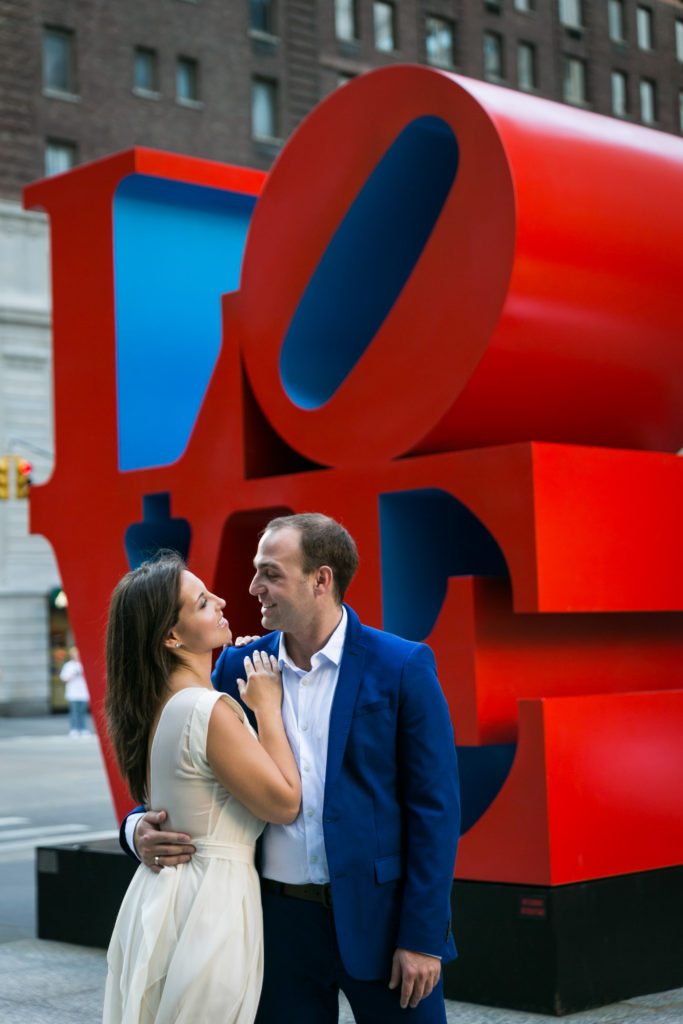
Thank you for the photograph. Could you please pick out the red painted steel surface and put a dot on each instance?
(591, 793)
(545, 305)
(490, 656)
(542, 310)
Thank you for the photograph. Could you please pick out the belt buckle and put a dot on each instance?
(326, 896)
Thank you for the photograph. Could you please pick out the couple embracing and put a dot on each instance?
(328, 742)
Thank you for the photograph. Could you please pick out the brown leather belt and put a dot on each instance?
(313, 893)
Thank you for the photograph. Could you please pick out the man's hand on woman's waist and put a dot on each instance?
(157, 849)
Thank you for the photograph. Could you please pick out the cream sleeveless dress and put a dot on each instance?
(187, 947)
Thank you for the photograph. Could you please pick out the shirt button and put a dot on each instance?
(314, 859)
(304, 726)
(304, 682)
(309, 814)
(305, 765)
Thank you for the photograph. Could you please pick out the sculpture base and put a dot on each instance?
(79, 891)
(560, 949)
(552, 950)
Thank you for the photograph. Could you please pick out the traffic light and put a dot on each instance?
(23, 478)
(4, 478)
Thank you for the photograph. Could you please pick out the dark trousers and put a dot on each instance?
(304, 973)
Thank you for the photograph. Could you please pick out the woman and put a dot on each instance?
(187, 945)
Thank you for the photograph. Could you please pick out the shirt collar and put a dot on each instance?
(332, 650)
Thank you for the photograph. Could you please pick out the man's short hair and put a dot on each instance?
(324, 541)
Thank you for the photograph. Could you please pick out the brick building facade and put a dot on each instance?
(230, 79)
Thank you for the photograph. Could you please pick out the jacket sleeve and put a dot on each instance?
(430, 796)
(122, 833)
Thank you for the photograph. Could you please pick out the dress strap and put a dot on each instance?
(243, 852)
(234, 705)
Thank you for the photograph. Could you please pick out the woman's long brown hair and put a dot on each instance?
(144, 609)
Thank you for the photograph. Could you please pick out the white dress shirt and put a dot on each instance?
(296, 853)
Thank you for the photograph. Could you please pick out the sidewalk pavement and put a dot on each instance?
(55, 983)
(38, 725)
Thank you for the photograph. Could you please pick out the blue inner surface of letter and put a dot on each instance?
(177, 249)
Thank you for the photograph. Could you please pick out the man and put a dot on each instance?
(356, 892)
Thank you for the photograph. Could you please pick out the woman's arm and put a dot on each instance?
(262, 772)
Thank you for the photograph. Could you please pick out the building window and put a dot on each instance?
(343, 78)
(60, 156)
(494, 67)
(679, 41)
(648, 101)
(644, 28)
(619, 94)
(384, 16)
(571, 14)
(187, 80)
(264, 109)
(527, 6)
(439, 42)
(526, 66)
(574, 86)
(616, 20)
(146, 71)
(59, 61)
(345, 20)
(262, 16)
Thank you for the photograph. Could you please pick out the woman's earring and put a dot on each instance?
(179, 645)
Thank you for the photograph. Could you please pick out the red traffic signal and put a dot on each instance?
(23, 478)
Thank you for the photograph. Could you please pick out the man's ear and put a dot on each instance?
(324, 579)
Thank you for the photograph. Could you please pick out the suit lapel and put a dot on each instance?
(350, 672)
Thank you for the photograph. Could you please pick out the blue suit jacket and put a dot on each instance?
(391, 812)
